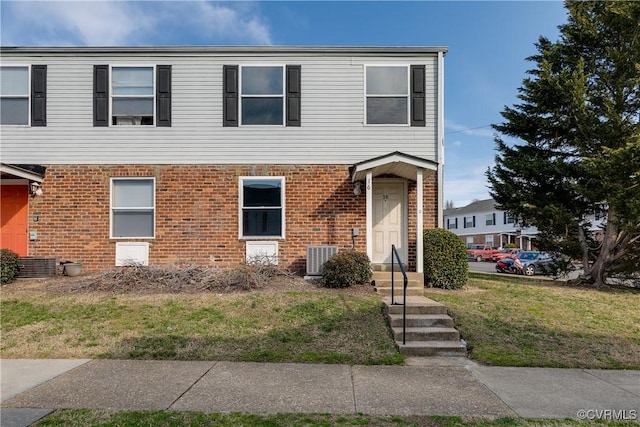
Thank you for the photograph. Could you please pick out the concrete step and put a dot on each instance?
(398, 291)
(421, 320)
(423, 306)
(433, 348)
(431, 333)
(386, 275)
(398, 283)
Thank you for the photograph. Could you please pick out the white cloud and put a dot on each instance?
(118, 23)
(463, 185)
(224, 22)
(464, 191)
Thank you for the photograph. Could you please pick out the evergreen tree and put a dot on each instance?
(577, 154)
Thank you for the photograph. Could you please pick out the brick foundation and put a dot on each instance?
(197, 212)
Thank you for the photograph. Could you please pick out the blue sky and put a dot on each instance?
(488, 43)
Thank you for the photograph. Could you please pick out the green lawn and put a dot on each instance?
(99, 418)
(292, 326)
(513, 321)
(506, 321)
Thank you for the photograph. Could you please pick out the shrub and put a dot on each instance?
(345, 269)
(10, 266)
(445, 260)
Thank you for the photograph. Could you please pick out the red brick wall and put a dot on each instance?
(197, 212)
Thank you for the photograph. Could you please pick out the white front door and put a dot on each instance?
(388, 220)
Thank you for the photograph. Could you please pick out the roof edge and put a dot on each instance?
(337, 50)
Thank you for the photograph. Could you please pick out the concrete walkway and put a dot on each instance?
(31, 389)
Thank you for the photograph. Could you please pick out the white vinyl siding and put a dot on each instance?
(332, 115)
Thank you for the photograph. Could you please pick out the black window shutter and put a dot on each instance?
(504, 217)
(38, 95)
(100, 95)
(474, 221)
(230, 96)
(293, 95)
(456, 223)
(464, 222)
(417, 95)
(494, 219)
(163, 95)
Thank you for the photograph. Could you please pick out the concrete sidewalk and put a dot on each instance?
(437, 386)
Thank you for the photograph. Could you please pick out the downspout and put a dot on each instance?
(440, 139)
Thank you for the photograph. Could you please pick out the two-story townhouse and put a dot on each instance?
(213, 154)
(480, 222)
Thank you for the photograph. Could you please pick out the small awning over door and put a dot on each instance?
(400, 165)
(396, 163)
(34, 173)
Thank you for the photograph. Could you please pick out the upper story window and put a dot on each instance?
(14, 93)
(490, 219)
(261, 95)
(508, 219)
(132, 95)
(452, 223)
(469, 221)
(261, 207)
(132, 207)
(387, 93)
(23, 95)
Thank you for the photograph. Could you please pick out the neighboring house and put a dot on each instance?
(480, 222)
(213, 154)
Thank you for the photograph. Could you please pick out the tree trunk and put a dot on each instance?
(597, 273)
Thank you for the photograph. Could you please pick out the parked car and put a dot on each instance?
(533, 262)
(480, 252)
(505, 253)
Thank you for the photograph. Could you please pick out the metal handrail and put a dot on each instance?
(394, 253)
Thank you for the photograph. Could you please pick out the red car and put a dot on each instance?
(505, 253)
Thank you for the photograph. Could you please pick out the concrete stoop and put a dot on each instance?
(382, 281)
(429, 329)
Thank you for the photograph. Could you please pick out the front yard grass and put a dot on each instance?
(506, 321)
(511, 321)
(288, 326)
(95, 418)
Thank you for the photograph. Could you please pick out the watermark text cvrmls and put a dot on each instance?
(608, 414)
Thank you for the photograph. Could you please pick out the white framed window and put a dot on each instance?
(132, 95)
(262, 96)
(452, 223)
(262, 207)
(133, 207)
(490, 219)
(469, 242)
(387, 95)
(488, 240)
(469, 221)
(508, 219)
(14, 95)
